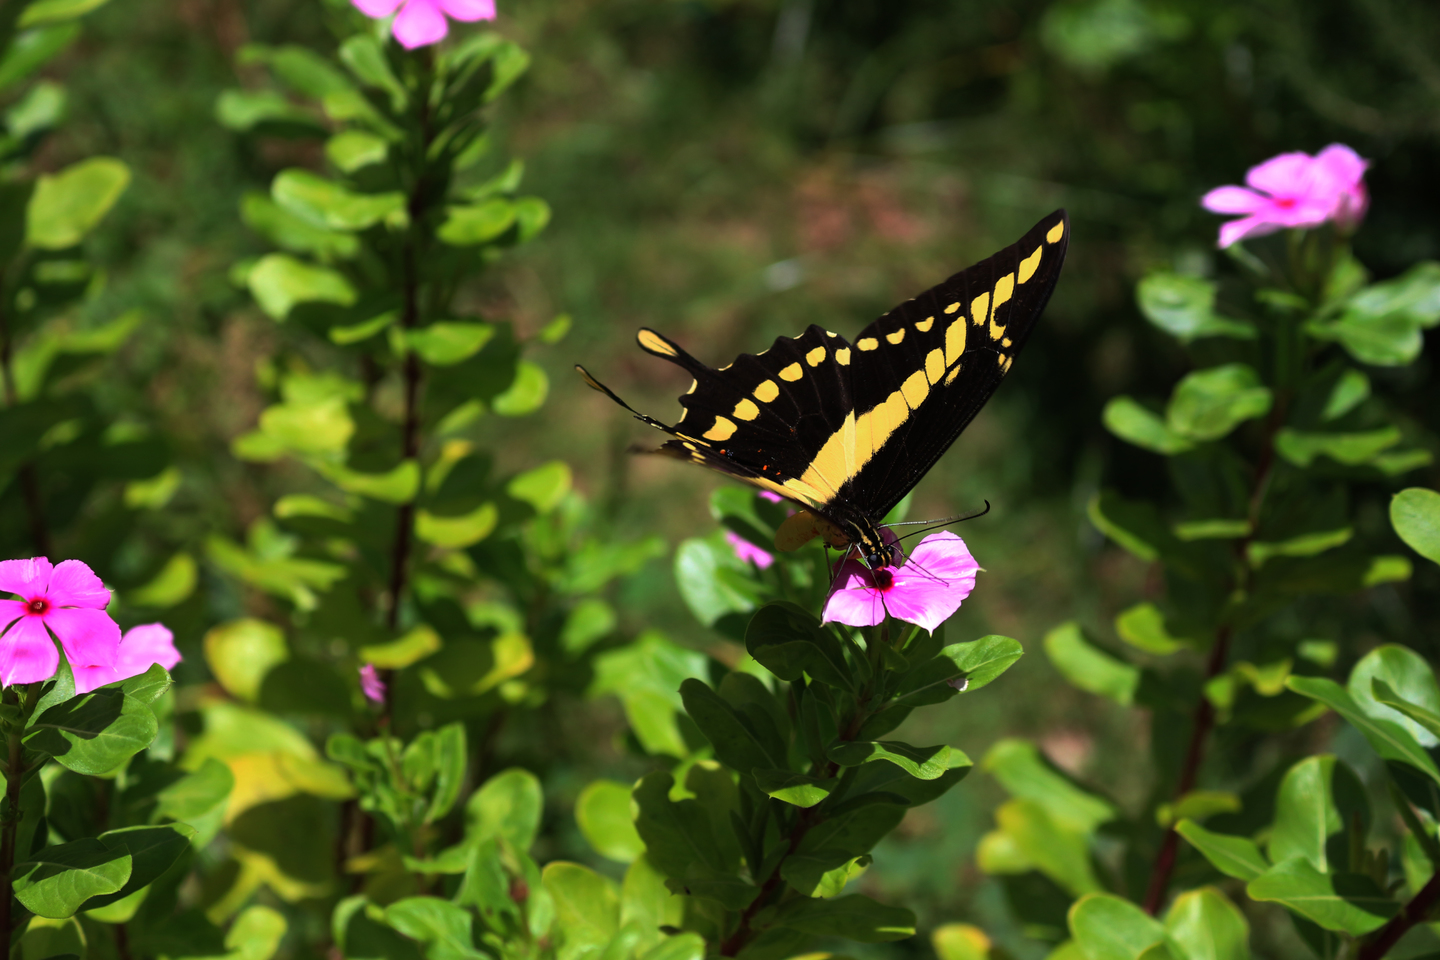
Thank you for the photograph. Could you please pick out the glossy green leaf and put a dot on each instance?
(327, 204)
(1197, 804)
(1208, 404)
(1184, 307)
(448, 342)
(365, 58)
(1382, 323)
(1237, 857)
(603, 812)
(152, 850)
(41, 12)
(414, 645)
(1025, 773)
(854, 917)
(646, 676)
(923, 763)
(149, 686)
(969, 666)
(542, 487)
(1351, 390)
(279, 282)
(477, 223)
(1206, 925)
(255, 934)
(588, 621)
(57, 881)
(94, 733)
(455, 532)
(444, 927)
(1315, 801)
(789, 641)
(1389, 739)
(291, 232)
(1408, 676)
(1346, 902)
(1350, 449)
(1415, 515)
(737, 744)
(526, 394)
(1134, 423)
(532, 215)
(587, 906)
(1107, 927)
(172, 584)
(679, 838)
(1143, 626)
(960, 941)
(1090, 668)
(67, 205)
(1055, 848)
(1305, 545)
(352, 150)
(244, 110)
(712, 580)
(508, 805)
(1425, 718)
(795, 788)
(1134, 525)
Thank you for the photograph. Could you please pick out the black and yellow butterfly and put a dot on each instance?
(846, 430)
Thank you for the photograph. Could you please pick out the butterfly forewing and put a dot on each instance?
(849, 429)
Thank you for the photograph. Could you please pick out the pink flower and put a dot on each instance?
(371, 685)
(147, 644)
(70, 600)
(746, 550)
(925, 590)
(771, 496)
(422, 22)
(1294, 190)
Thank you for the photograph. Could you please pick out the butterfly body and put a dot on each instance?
(847, 429)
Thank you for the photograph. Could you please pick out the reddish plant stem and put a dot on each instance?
(1412, 913)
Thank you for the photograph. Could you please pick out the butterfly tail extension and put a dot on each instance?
(666, 349)
(594, 384)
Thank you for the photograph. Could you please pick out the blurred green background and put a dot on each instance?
(731, 170)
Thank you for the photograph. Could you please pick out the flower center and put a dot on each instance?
(39, 606)
(1285, 203)
(883, 578)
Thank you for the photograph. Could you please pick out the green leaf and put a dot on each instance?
(197, 795)
(1184, 307)
(532, 215)
(923, 763)
(789, 641)
(147, 687)
(646, 676)
(58, 880)
(960, 941)
(1107, 927)
(588, 622)
(42, 12)
(244, 110)
(152, 850)
(679, 839)
(1198, 804)
(1387, 737)
(457, 532)
(1408, 676)
(1208, 404)
(1207, 926)
(737, 744)
(1237, 857)
(446, 343)
(1143, 626)
(296, 234)
(171, 585)
(526, 394)
(1381, 323)
(1089, 668)
(1415, 515)
(1350, 449)
(1351, 390)
(1024, 772)
(1136, 526)
(255, 934)
(352, 150)
(1427, 719)
(854, 917)
(327, 204)
(95, 733)
(700, 573)
(508, 805)
(1054, 848)
(279, 282)
(442, 926)
(603, 812)
(977, 662)
(795, 788)
(1133, 423)
(1305, 545)
(1346, 902)
(399, 485)
(41, 108)
(241, 652)
(587, 906)
(543, 487)
(417, 643)
(365, 58)
(478, 223)
(67, 205)
(1314, 802)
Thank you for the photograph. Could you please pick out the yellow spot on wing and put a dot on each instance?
(954, 341)
(815, 357)
(868, 343)
(980, 308)
(1005, 342)
(767, 391)
(915, 388)
(842, 356)
(693, 385)
(1005, 367)
(953, 307)
(924, 325)
(1029, 265)
(1004, 287)
(954, 372)
(746, 410)
(897, 336)
(792, 373)
(724, 429)
(1056, 232)
(935, 365)
(652, 341)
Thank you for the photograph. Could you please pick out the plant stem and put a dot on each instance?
(1412, 913)
(14, 775)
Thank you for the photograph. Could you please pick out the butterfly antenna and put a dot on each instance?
(937, 524)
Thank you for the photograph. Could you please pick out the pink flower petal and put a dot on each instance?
(1282, 176)
(771, 496)
(1234, 200)
(371, 685)
(469, 11)
(1237, 230)
(747, 551)
(855, 602)
(377, 8)
(90, 637)
(28, 578)
(10, 611)
(73, 584)
(420, 23)
(1342, 163)
(27, 654)
(141, 647)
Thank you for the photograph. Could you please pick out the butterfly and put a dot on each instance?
(847, 429)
